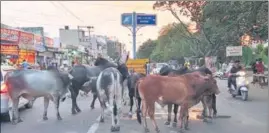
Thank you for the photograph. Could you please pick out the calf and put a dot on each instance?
(31, 84)
(110, 89)
(185, 90)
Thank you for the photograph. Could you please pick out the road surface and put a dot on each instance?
(235, 116)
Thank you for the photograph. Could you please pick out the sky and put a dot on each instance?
(105, 16)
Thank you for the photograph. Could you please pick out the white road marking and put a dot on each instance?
(94, 126)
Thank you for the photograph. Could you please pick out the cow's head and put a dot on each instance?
(211, 84)
(89, 85)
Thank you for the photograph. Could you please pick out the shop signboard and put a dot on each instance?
(28, 55)
(49, 42)
(9, 50)
(26, 41)
(234, 51)
(9, 36)
(38, 42)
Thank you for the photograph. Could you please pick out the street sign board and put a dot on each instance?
(146, 19)
(234, 51)
(126, 19)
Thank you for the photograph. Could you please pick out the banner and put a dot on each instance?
(28, 55)
(9, 49)
(26, 41)
(49, 42)
(38, 42)
(234, 51)
(9, 36)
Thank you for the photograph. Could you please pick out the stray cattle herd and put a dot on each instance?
(105, 80)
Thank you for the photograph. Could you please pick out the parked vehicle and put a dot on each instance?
(5, 102)
(242, 86)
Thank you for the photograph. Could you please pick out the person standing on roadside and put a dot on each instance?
(25, 65)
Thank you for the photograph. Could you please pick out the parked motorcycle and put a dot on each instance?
(242, 86)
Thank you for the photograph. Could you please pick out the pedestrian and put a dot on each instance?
(260, 68)
(254, 70)
(25, 65)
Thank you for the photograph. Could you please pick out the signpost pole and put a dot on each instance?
(134, 34)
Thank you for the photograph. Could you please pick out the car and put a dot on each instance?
(5, 101)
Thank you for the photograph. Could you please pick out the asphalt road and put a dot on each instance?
(234, 116)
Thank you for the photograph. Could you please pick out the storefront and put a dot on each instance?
(28, 55)
(9, 44)
(27, 49)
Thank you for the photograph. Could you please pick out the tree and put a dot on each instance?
(220, 24)
(145, 50)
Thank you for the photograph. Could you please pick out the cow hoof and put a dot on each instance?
(14, 122)
(167, 123)
(181, 130)
(92, 107)
(157, 130)
(74, 112)
(214, 115)
(205, 120)
(113, 129)
(174, 124)
(45, 118)
(102, 120)
(146, 130)
(20, 120)
(59, 118)
(78, 110)
(117, 128)
(187, 128)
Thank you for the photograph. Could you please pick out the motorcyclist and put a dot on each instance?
(235, 68)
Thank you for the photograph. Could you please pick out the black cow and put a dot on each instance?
(83, 73)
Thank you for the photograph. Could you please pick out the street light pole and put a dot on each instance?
(134, 34)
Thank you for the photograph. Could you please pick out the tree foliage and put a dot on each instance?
(145, 50)
(219, 24)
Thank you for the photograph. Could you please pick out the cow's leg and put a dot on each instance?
(204, 112)
(175, 113)
(131, 105)
(151, 113)
(102, 104)
(15, 111)
(169, 114)
(56, 101)
(186, 119)
(93, 100)
(46, 105)
(74, 94)
(182, 117)
(144, 112)
(214, 105)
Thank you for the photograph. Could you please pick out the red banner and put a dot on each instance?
(26, 41)
(28, 55)
(10, 36)
(9, 49)
(49, 42)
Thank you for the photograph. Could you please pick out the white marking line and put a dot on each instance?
(94, 126)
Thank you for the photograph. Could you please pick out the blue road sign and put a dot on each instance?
(126, 19)
(146, 19)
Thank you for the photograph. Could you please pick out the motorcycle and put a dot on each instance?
(221, 75)
(242, 86)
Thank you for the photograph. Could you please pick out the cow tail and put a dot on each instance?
(98, 89)
(138, 112)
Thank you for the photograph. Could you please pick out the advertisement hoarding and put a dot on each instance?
(234, 51)
(26, 41)
(9, 36)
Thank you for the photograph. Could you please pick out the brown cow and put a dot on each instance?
(183, 90)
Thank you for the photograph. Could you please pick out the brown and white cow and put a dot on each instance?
(185, 90)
